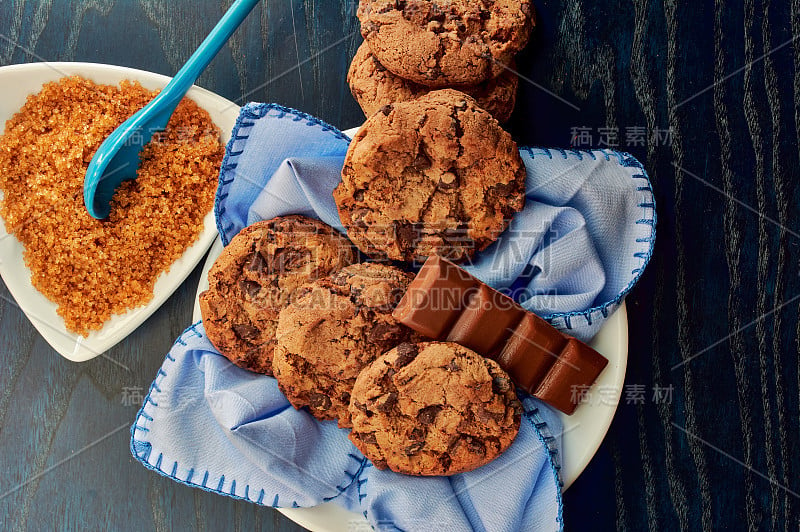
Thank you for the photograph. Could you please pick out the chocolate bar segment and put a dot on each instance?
(577, 367)
(531, 351)
(486, 322)
(445, 302)
(436, 297)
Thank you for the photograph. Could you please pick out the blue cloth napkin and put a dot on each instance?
(577, 248)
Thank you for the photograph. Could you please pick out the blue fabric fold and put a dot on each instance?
(571, 255)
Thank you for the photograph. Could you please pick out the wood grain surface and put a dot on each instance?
(714, 319)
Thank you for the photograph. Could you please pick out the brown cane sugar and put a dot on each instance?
(93, 269)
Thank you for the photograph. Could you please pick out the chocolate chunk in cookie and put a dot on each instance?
(374, 86)
(434, 408)
(433, 176)
(444, 43)
(339, 325)
(257, 275)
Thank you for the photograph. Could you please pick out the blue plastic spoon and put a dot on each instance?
(117, 159)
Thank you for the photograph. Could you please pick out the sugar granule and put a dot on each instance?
(94, 269)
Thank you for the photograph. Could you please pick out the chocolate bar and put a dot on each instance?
(576, 367)
(446, 303)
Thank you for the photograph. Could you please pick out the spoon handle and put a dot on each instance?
(207, 50)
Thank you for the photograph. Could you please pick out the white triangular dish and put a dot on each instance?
(16, 83)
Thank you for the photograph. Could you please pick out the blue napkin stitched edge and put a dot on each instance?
(563, 320)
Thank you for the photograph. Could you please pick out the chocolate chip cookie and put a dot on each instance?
(374, 86)
(433, 408)
(256, 276)
(337, 326)
(433, 176)
(443, 43)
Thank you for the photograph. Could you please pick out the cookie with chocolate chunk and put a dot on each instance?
(257, 275)
(374, 86)
(444, 43)
(434, 408)
(337, 326)
(433, 176)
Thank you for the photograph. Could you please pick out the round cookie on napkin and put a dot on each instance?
(432, 176)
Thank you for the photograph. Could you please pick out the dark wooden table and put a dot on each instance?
(705, 94)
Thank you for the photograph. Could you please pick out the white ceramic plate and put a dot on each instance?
(16, 83)
(583, 431)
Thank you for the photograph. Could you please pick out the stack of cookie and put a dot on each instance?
(414, 46)
(432, 176)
